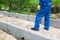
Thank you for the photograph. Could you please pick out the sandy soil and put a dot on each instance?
(5, 36)
(53, 32)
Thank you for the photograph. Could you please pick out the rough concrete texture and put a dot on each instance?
(22, 32)
(5, 36)
(54, 22)
(53, 32)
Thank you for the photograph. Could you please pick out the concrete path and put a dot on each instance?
(54, 22)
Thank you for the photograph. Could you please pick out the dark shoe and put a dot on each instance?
(34, 29)
(46, 28)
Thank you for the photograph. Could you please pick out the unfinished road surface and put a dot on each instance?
(53, 32)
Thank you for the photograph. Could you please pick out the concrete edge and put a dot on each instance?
(23, 32)
(54, 23)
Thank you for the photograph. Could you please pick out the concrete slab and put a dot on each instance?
(23, 32)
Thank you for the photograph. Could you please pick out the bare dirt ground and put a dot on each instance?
(53, 32)
(55, 16)
(5, 36)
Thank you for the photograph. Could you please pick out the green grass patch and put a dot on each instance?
(22, 12)
(1, 39)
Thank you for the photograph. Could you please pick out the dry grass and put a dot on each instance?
(55, 16)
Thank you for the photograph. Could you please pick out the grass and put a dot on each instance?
(56, 2)
(1, 39)
(22, 12)
(35, 3)
(58, 15)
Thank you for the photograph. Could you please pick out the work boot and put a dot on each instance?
(34, 29)
(46, 28)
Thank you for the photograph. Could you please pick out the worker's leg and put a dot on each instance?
(39, 16)
(37, 21)
(47, 19)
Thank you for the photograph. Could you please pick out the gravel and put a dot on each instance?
(53, 32)
(5, 36)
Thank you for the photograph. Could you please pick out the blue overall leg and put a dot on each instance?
(39, 16)
(47, 19)
(44, 11)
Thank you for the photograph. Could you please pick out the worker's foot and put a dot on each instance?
(34, 29)
(46, 28)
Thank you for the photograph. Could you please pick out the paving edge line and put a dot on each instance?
(23, 32)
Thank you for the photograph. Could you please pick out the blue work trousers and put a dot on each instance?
(44, 11)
